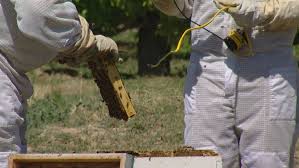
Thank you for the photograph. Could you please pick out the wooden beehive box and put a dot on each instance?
(171, 159)
(112, 160)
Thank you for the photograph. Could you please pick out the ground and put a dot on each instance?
(66, 112)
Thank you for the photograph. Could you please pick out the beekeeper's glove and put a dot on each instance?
(107, 47)
(89, 46)
(269, 15)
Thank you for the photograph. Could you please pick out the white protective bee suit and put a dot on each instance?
(33, 32)
(241, 106)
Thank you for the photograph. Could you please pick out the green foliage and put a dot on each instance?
(113, 15)
(110, 17)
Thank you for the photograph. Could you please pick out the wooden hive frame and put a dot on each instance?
(112, 88)
(111, 160)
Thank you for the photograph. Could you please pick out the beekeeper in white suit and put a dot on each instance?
(242, 106)
(33, 32)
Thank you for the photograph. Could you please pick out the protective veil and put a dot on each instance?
(242, 107)
(270, 15)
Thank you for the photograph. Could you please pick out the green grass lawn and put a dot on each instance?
(66, 112)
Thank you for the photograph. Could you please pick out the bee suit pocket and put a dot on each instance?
(283, 93)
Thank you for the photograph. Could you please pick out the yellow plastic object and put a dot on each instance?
(238, 39)
(239, 42)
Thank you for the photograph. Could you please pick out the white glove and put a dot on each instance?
(107, 47)
(269, 15)
(168, 6)
(243, 11)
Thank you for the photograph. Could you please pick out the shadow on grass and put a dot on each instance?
(86, 74)
(64, 71)
(128, 76)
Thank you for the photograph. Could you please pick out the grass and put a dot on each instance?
(66, 112)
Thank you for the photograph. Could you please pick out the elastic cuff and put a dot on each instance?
(82, 50)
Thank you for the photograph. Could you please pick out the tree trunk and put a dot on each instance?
(296, 40)
(152, 47)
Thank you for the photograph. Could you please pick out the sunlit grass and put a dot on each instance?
(66, 113)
